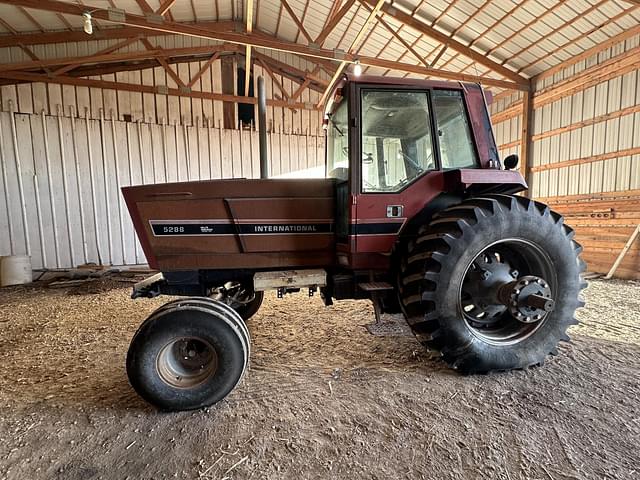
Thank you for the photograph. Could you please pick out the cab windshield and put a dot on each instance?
(338, 143)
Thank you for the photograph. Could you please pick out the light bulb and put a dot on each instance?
(357, 69)
(88, 25)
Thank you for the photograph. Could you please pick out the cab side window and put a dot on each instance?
(453, 130)
(396, 143)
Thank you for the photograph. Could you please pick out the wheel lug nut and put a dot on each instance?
(514, 273)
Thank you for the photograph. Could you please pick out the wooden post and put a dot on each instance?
(526, 159)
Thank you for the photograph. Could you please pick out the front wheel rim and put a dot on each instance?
(186, 362)
(499, 265)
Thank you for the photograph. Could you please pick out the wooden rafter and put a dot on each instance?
(437, 35)
(334, 22)
(297, 21)
(23, 47)
(292, 73)
(203, 69)
(397, 35)
(274, 78)
(399, 32)
(302, 18)
(491, 27)
(255, 39)
(104, 51)
(29, 17)
(165, 6)
(16, 39)
(170, 71)
(481, 9)
(136, 87)
(144, 6)
(354, 44)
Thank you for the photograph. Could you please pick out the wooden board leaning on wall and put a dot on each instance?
(603, 223)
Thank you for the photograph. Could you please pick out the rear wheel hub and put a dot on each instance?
(529, 299)
(505, 295)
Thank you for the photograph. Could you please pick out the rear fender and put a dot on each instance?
(474, 181)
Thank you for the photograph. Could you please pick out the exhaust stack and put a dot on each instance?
(262, 128)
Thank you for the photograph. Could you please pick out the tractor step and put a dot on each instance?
(375, 286)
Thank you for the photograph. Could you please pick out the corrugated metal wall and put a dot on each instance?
(61, 176)
(66, 150)
(594, 133)
(586, 149)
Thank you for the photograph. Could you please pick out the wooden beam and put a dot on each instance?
(254, 39)
(165, 7)
(135, 87)
(526, 157)
(431, 32)
(397, 35)
(356, 41)
(274, 78)
(585, 123)
(514, 110)
(17, 39)
(203, 69)
(104, 51)
(163, 62)
(584, 160)
(144, 6)
(333, 22)
(611, 68)
(297, 21)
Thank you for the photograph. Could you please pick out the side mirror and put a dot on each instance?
(510, 162)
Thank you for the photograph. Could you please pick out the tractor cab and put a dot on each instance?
(394, 148)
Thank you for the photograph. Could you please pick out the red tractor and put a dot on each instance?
(416, 213)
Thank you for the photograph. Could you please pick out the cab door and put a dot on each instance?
(399, 166)
(406, 139)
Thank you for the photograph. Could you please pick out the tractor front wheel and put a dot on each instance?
(189, 353)
(492, 283)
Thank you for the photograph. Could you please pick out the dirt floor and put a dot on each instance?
(323, 398)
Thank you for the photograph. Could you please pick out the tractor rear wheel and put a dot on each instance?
(492, 283)
(189, 353)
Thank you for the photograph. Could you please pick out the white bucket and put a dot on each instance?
(15, 270)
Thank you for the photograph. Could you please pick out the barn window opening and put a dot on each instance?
(246, 111)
